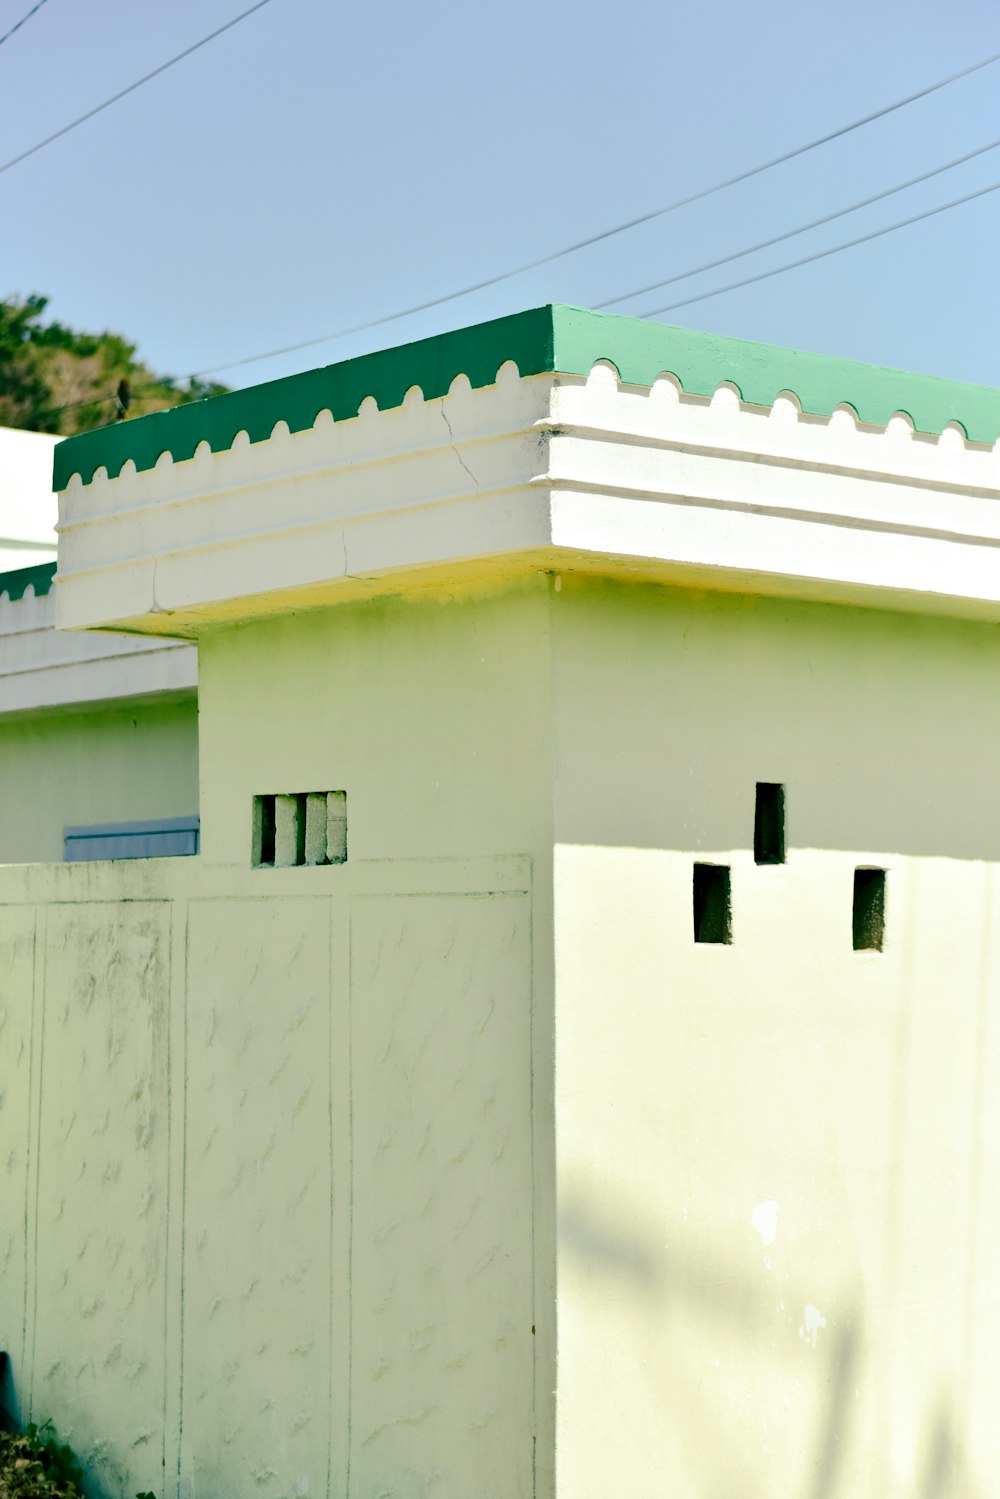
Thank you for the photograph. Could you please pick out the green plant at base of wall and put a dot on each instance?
(38, 1466)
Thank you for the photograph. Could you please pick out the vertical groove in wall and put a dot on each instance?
(331, 1283)
(34, 1136)
(349, 1198)
(907, 896)
(340, 1197)
(182, 1088)
(542, 1041)
(977, 1105)
(29, 1135)
(534, 1188)
(174, 1277)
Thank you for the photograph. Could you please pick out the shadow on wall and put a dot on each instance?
(882, 727)
(10, 1419)
(721, 1306)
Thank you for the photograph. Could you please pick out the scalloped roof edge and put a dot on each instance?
(554, 339)
(16, 583)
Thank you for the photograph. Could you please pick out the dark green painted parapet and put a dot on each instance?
(544, 340)
(16, 583)
(431, 363)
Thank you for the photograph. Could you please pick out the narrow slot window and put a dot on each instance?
(769, 824)
(263, 830)
(712, 903)
(869, 910)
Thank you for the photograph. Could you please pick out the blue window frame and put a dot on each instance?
(161, 838)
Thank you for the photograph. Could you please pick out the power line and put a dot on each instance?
(122, 93)
(74, 406)
(593, 239)
(18, 24)
(779, 270)
(777, 239)
(791, 265)
(822, 254)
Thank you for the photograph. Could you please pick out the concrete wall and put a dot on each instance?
(431, 711)
(779, 1178)
(282, 1149)
(277, 1143)
(267, 1175)
(111, 764)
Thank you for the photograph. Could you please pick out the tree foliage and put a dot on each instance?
(53, 379)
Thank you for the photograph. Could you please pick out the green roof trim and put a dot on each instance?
(544, 340)
(702, 361)
(431, 363)
(16, 583)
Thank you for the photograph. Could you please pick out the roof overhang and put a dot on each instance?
(45, 670)
(554, 439)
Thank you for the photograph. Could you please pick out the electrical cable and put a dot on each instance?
(791, 265)
(604, 234)
(624, 296)
(18, 24)
(823, 254)
(777, 239)
(122, 93)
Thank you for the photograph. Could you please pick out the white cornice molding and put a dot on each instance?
(548, 472)
(42, 668)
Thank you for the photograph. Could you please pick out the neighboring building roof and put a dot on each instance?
(546, 340)
(15, 584)
(27, 504)
(44, 669)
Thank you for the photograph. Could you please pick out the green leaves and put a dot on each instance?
(54, 379)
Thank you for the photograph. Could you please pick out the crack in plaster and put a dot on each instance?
(454, 449)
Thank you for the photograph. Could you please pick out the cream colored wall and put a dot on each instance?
(278, 1144)
(431, 711)
(278, 1150)
(110, 764)
(267, 1175)
(779, 1178)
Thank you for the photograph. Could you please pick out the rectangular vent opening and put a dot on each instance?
(769, 824)
(300, 828)
(869, 910)
(263, 830)
(712, 903)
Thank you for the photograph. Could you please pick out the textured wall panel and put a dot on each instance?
(256, 1401)
(16, 972)
(102, 1200)
(442, 1194)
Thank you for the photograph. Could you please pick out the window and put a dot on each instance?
(161, 838)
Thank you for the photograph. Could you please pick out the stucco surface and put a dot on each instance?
(441, 1246)
(258, 1187)
(345, 1103)
(101, 1180)
(777, 1159)
(432, 712)
(17, 963)
(105, 765)
(268, 1210)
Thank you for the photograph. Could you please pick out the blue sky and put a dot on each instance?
(323, 164)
